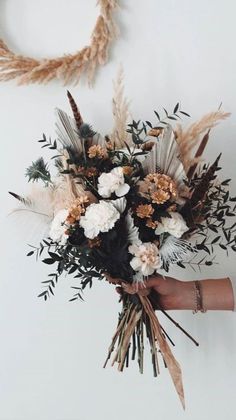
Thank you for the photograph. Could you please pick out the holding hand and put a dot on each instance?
(173, 294)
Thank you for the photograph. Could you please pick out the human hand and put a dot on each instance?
(172, 294)
(169, 293)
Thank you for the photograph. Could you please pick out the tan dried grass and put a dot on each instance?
(190, 138)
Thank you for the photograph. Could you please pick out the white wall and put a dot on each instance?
(51, 354)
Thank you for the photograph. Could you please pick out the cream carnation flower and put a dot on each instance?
(174, 225)
(57, 230)
(112, 182)
(99, 217)
(146, 258)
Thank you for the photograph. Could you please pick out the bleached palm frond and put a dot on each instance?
(67, 131)
(120, 204)
(133, 232)
(164, 157)
(120, 108)
(174, 250)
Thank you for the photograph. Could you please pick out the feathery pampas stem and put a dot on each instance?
(69, 67)
(120, 109)
(189, 139)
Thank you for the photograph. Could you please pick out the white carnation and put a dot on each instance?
(99, 217)
(174, 225)
(146, 258)
(57, 230)
(112, 182)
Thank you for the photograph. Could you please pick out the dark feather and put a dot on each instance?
(20, 198)
(76, 113)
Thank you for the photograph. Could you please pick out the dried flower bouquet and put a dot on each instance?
(125, 206)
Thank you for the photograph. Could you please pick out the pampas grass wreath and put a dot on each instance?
(67, 68)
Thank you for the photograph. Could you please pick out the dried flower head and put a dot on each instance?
(80, 170)
(159, 187)
(97, 151)
(109, 145)
(155, 132)
(127, 170)
(151, 223)
(144, 211)
(91, 172)
(160, 196)
(146, 147)
(77, 209)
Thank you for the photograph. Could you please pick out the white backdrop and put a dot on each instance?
(51, 354)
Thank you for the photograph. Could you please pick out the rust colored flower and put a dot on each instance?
(163, 182)
(146, 147)
(155, 132)
(77, 209)
(97, 151)
(144, 211)
(152, 224)
(127, 170)
(91, 172)
(151, 178)
(109, 145)
(160, 196)
(80, 170)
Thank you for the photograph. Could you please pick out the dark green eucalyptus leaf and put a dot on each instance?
(48, 261)
(30, 253)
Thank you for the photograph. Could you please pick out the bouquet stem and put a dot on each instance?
(130, 332)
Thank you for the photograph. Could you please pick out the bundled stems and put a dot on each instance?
(128, 340)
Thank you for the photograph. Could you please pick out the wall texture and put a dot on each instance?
(51, 354)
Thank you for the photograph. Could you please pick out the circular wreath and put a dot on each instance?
(69, 67)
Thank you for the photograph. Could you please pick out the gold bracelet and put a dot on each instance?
(198, 297)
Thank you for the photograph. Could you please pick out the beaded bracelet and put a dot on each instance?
(198, 297)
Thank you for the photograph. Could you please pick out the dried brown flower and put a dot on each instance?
(160, 187)
(97, 151)
(109, 145)
(91, 172)
(77, 209)
(80, 170)
(146, 147)
(152, 224)
(127, 170)
(160, 196)
(155, 132)
(144, 210)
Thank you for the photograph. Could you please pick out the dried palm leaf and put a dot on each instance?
(164, 157)
(67, 132)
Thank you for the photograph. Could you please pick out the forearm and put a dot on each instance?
(217, 294)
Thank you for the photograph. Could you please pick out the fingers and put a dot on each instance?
(137, 287)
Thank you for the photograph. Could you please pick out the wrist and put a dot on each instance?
(185, 295)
